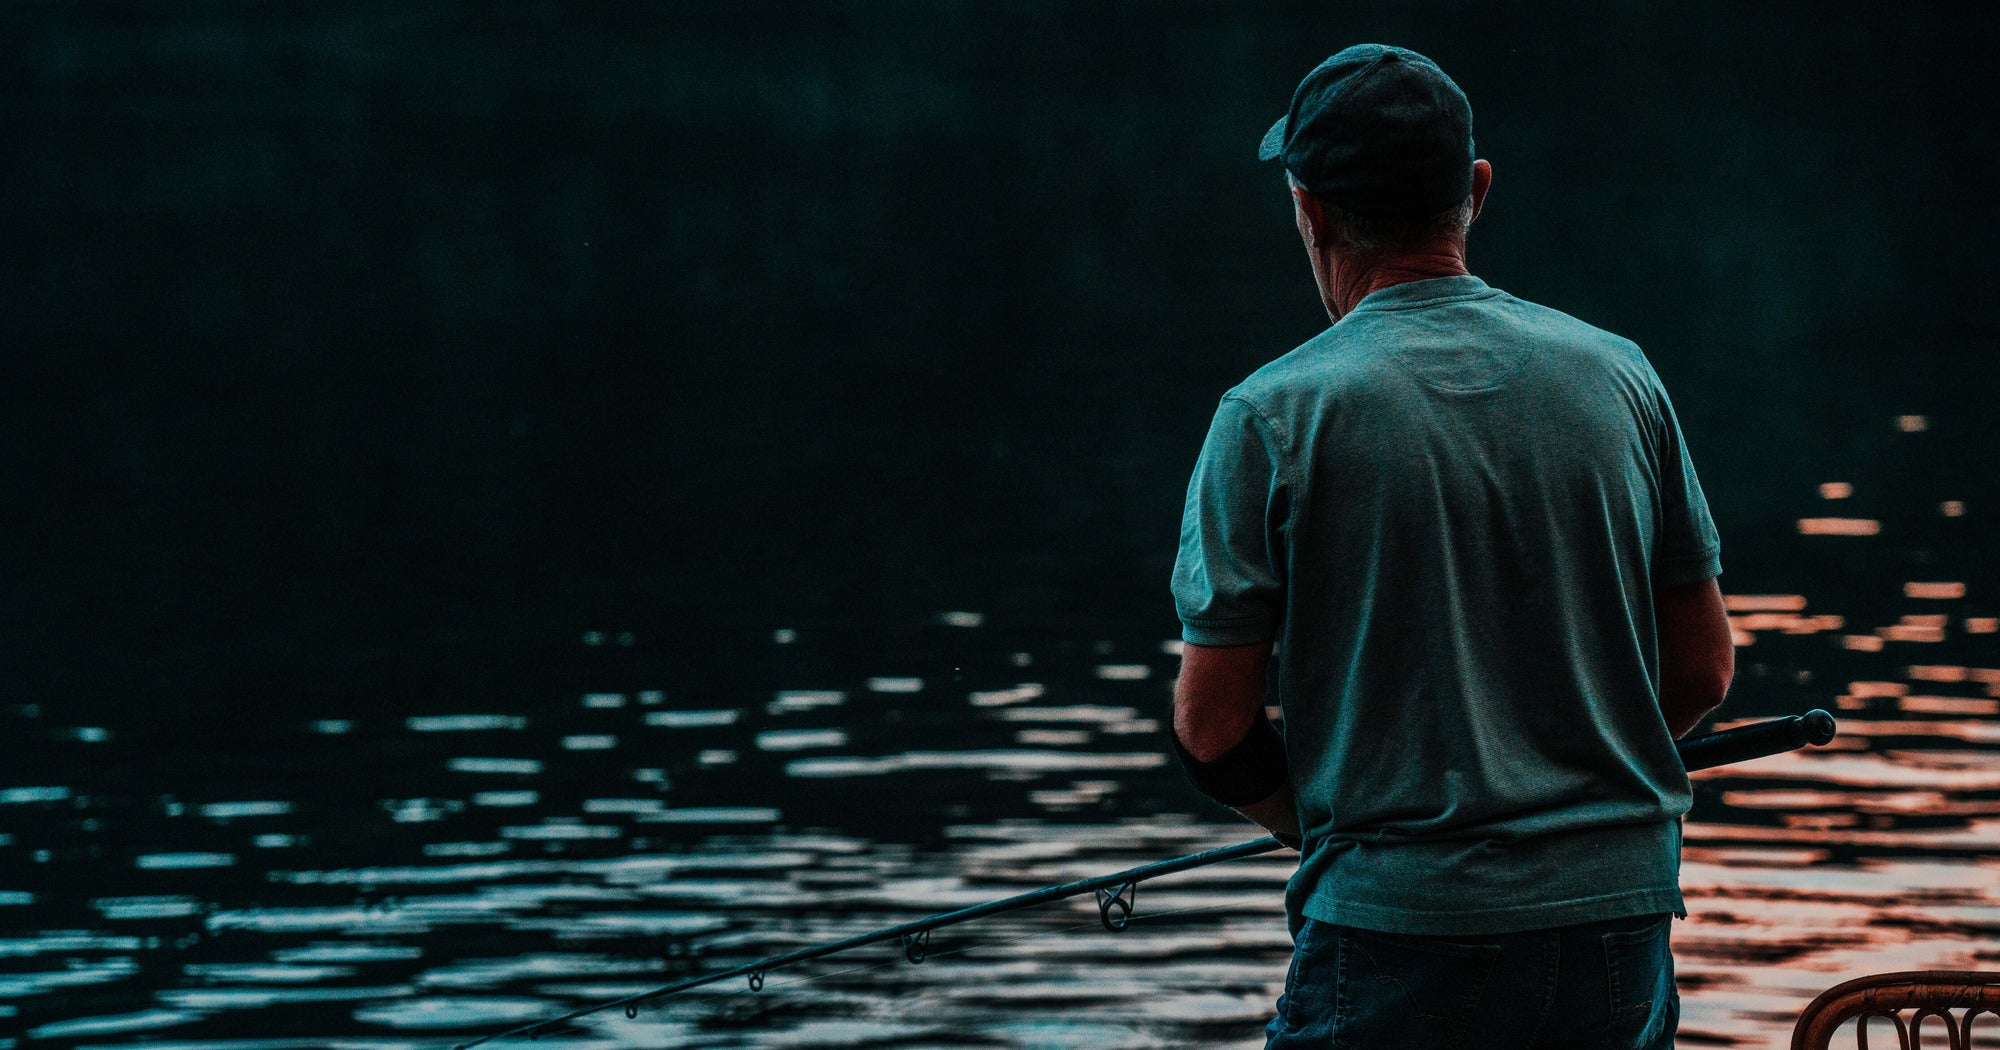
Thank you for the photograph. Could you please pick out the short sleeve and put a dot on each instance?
(1685, 549)
(1229, 580)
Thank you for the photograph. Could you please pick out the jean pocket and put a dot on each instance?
(1290, 992)
(1310, 980)
(1414, 992)
(1639, 965)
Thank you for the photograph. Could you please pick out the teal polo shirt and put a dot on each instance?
(1451, 511)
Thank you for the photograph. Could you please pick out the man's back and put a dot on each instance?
(1453, 510)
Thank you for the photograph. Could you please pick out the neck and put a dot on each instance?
(1347, 281)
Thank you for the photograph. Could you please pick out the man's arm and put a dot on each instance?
(1697, 655)
(1218, 700)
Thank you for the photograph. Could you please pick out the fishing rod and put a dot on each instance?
(1116, 893)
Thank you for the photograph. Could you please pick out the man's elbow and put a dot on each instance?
(1691, 694)
(1724, 675)
(1718, 673)
(1697, 653)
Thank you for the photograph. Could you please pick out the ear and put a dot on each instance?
(1482, 180)
(1305, 208)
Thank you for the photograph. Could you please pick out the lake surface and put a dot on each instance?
(325, 878)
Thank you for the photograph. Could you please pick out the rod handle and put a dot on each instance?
(1757, 739)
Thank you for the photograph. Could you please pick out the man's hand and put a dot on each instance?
(1219, 696)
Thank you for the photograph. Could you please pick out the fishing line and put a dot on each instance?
(1114, 893)
(703, 998)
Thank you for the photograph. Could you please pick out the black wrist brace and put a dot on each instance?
(1249, 772)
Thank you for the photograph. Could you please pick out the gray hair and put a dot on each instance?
(1370, 235)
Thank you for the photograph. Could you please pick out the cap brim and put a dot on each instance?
(1274, 141)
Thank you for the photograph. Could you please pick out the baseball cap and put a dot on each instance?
(1379, 131)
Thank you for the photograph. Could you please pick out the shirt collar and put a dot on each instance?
(1426, 292)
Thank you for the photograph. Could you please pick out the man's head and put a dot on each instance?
(1377, 150)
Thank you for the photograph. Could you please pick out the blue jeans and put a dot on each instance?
(1607, 985)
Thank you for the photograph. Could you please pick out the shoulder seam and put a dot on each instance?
(1287, 447)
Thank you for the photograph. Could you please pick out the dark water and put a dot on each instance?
(373, 349)
(368, 881)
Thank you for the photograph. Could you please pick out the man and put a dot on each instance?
(1471, 528)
